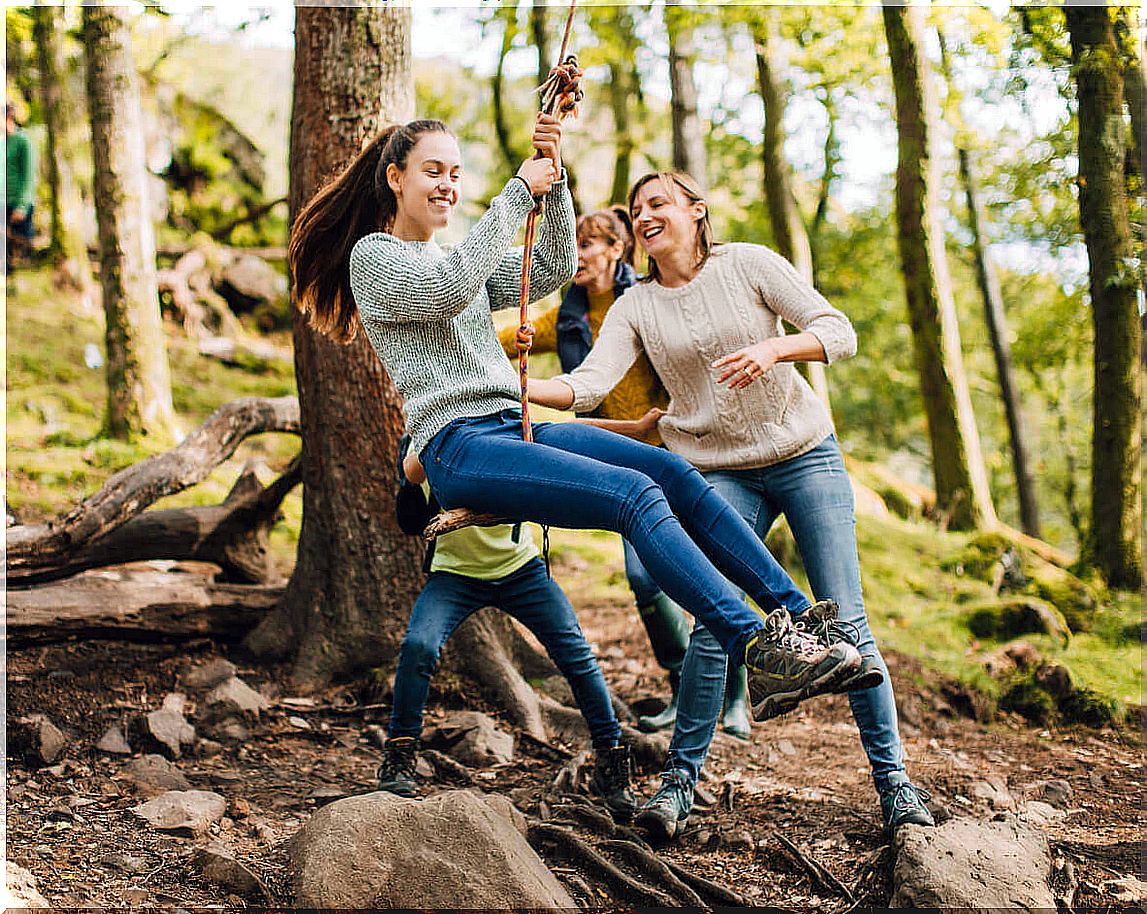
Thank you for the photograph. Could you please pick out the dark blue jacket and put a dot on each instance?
(573, 334)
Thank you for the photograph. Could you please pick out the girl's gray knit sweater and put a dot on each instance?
(426, 310)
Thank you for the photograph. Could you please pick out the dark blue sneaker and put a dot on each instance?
(665, 816)
(902, 803)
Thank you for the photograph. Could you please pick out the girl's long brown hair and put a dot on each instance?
(357, 202)
(692, 192)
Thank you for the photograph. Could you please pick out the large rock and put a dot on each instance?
(22, 889)
(208, 675)
(473, 739)
(250, 281)
(450, 851)
(220, 867)
(969, 864)
(183, 811)
(234, 697)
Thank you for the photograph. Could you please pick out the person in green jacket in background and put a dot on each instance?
(20, 178)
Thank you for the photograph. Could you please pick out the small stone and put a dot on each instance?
(237, 698)
(299, 723)
(208, 748)
(238, 808)
(1057, 793)
(324, 795)
(39, 740)
(126, 863)
(786, 748)
(166, 729)
(114, 742)
(189, 811)
(135, 895)
(1128, 889)
(1040, 813)
(220, 867)
(208, 675)
(473, 739)
(153, 774)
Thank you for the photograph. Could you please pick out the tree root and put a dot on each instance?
(820, 875)
(566, 845)
(707, 888)
(654, 868)
(448, 769)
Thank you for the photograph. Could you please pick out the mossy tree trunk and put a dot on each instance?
(539, 23)
(356, 574)
(624, 90)
(139, 381)
(1115, 539)
(511, 155)
(789, 232)
(962, 493)
(688, 141)
(61, 118)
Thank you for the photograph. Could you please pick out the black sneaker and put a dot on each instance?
(611, 781)
(665, 816)
(396, 773)
(821, 620)
(787, 665)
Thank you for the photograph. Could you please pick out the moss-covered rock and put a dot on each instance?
(1027, 698)
(1022, 615)
(1047, 695)
(1072, 596)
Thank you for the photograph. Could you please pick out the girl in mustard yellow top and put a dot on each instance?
(604, 272)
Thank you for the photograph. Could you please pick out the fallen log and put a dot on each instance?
(126, 494)
(132, 604)
(233, 535)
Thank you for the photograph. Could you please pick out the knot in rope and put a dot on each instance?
(561, 92)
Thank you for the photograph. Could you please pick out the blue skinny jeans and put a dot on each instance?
(528, 595)
(579, 476)
(814, 494)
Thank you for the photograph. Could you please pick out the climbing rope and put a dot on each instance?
(561, 93)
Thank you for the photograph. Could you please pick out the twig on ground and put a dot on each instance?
(447, 768)
(814, 868)
(554, 752)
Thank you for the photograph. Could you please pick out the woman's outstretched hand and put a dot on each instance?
(743, 367)
(647, 424)
(539, 175)
(547, 139)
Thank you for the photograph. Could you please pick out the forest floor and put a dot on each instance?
(803, 776)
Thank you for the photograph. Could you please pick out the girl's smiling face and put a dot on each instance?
(664, 220)
(428, 188)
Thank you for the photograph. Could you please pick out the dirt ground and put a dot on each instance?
(803, 776)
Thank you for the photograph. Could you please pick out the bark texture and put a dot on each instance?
(356, 574)
(789, 231)
(61, 118)
(688, 141)
(962, 493)
(1115, 539)
(139, 382)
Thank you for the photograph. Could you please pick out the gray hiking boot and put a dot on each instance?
(902, 803)
(820, 620)
(611, 779)
(787, 665)
(396, 773)
(665, 816)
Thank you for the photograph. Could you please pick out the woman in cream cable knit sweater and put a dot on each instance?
(709, 320)
(363, 257)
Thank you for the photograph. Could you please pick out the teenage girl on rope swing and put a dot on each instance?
(708, 318)
(605, 249)
(367, 240)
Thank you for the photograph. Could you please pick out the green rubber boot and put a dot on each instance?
(668, 629)
(735, 719)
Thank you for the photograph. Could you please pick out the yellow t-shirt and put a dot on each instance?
(485, 553)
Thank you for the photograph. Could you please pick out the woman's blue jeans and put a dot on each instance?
(814, 494)
(579, 476)
(528, 595)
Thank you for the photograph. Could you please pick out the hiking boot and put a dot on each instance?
(902, 803)
(787, 665)
(396, 773)
(611, 780)
(820, 620)
(735, 717)
(665, 816)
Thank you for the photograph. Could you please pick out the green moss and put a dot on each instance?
(1028, 698)
(1008, 618)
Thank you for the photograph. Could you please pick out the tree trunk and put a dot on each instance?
(356, 574)
(623, 84)
(1131, 53)
(997, 322)
(538, 26)
(510, 155)
(61, 118)
(688, 142)
(962, 493)
(139, 381)
(789, 231)
(1115, 540)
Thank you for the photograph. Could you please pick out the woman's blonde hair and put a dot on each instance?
(692, 192)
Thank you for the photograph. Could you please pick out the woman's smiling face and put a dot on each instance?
(664, 220)
(429, 187)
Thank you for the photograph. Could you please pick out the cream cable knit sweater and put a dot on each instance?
(426, 311)
(738, 298)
